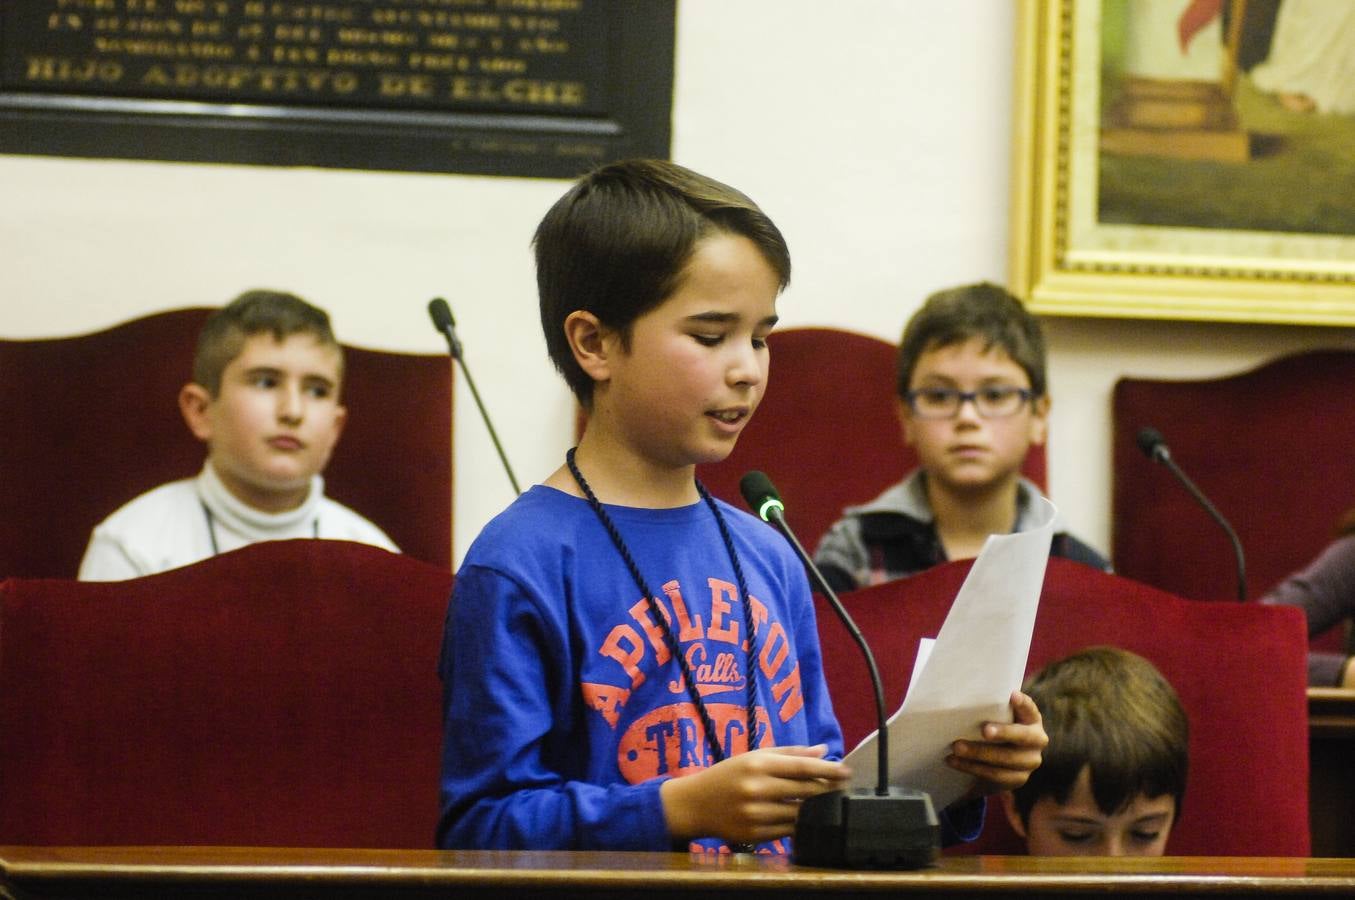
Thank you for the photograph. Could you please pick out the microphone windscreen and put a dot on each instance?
(1149, 440)
(757, 489)
(441, 313)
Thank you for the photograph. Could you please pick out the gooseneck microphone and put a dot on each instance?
(887, 828)
(1153, 445)
(441, 314)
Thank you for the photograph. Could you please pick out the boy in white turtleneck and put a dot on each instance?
(265, 400)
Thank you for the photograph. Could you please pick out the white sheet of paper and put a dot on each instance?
(977, 660)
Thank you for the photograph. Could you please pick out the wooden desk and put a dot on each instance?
(151, 872)
(1331, 776)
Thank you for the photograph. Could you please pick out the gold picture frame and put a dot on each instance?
(1065, 260)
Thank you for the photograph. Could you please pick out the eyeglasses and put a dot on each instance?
(996, 402)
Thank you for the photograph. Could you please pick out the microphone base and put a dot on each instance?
(858, 829)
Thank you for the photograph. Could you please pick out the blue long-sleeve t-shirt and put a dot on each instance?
(564, 708)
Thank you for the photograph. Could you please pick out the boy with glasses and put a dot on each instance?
(972, 401)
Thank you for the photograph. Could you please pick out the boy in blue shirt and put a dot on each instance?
(617, 627)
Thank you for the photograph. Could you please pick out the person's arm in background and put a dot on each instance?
(1325, 591)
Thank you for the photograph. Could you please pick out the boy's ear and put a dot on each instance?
(1013, 817)
(587, 338)
(905, 417)
(340, 420)
(194, 400)
(1039, 420)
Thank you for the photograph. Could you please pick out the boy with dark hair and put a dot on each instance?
(617, 627)
(1115, 771)
(265, 400)
(972, 400)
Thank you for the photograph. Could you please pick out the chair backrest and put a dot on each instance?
(826, 432)
(1271, 448)
(1238, 668)
(92, 421)
(285, 694)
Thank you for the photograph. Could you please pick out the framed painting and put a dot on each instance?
(1185, 159)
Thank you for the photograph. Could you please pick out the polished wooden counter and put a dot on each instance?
(67, 872)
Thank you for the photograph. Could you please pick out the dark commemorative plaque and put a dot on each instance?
(507, 87)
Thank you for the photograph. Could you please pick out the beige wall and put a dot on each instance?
(876, 133)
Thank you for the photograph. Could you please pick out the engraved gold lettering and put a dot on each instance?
(544, 93)
(533, 23)
(163, 49)
(398, 84)
(383, 37)
(144, 25)
(542, 44)
(498, 65)
(445, 41)
(268, 79)
(439, 62)
(57, 70)
(296, 55)
(298, 33)
(338, 56)
(549, 6)
(65, 22)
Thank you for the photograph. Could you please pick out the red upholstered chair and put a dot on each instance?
(1270, 447)
(826, 432)
(92, 421)
(1239, 669)
(285, 694)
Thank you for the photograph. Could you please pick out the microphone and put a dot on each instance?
(887, 828)
(1153, 445)
(441, 314)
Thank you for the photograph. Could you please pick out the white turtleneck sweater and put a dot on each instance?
(186, 521)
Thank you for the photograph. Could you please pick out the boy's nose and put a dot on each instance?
(746, 367)
(290, 404)
(969, 409)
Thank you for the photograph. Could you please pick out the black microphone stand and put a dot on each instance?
(1151, 442)
(887, 828)
(441, 314)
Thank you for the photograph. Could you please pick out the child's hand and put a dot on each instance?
(752, 797)
(1007, 755)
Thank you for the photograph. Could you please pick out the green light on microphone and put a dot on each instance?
(769, 504)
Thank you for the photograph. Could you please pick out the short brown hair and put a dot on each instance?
(617, 242)
(1113, 712)
(254, 312)
(982, 310)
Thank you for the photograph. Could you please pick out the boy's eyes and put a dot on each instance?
(714, 340)
(1076, 837)
(992, 394)
(1086, 837)
(269, 380)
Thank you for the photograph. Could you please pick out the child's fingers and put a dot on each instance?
(994, 778)
(1024, 710)
(816, 750)
(799, 763)
(998, 756)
